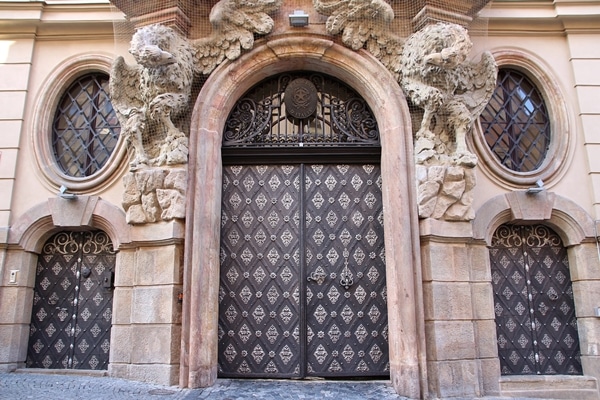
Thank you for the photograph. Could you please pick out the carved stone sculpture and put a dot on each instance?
(364, 23)
(432, 69)
(151, 95)
(151, 99)
(234, 24)
(453, 92)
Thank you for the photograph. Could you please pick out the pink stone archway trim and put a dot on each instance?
(201, 275)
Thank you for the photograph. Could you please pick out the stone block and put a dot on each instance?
(156, 344)
(447, 301)
(482, 296)
(13, 343)
(591, 366)
(125, 267)
(122, 300)
(479, 258)
(25, 263)
(160, 265)
(155, 305)
(15, 305)
(453, 379)
(584, 264)
(586, 295)
(489, 375)
(445, 262)
(160, 374)
(550, 386)
(117, 370)
(486, 338)
(589, 336)
(121, 344)
(450, 340)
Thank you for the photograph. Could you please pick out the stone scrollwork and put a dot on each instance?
(234, 24)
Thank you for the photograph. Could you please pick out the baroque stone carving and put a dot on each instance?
(364, 23)
(154, 194)
(453, 92)
(234, 24)
(152, 100)
(151, 95)
(433, 70)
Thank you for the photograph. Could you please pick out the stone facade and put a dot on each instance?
(444, 192)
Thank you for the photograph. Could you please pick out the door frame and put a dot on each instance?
(379, 89)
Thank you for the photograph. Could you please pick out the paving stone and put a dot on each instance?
(22, 386)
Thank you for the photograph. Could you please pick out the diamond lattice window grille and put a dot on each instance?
(516, 123)
(85, 131)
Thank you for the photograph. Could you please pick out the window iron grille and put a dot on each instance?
(262, 117)
(85, 131)
(516, 124)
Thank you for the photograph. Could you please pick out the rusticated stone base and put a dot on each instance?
(154, 194)
(445, 192)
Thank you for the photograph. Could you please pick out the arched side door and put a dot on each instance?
(533, 302)
(72, 302)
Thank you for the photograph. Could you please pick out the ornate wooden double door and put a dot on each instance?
(72, 302)
(302, 290)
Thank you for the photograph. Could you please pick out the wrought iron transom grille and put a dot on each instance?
(515, 123)
(85, 131)
(72, 302)
(263, 118)
(533, 302)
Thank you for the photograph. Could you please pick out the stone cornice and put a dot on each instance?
(551, 17)
(58, 21)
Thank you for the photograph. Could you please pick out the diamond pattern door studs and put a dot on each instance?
(302, 298)
(72, 302)
(533, 302)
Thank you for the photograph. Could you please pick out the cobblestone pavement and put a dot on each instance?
(21, 386)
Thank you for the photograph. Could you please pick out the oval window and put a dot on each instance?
(85, 130)
(515, 123)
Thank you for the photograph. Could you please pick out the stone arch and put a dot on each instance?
(576, 230)
(571, 222)
(201, 276)
(30, 231)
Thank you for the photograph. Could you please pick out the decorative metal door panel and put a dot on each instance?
(72, 303)
(269, 320)
(345, 264)
(533, 302)
(259, 309)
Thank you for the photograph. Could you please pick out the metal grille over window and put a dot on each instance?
(297, 110)
(85, 131)
(533, 302)
(515, 123)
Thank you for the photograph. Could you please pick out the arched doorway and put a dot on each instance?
(222, 90)
(303, 290)
(72, 302)
(533, 302)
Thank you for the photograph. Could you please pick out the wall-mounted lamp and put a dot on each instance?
(62, 192)
(298, 18)
(539, 187)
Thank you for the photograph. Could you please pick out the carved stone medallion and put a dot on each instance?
(300, 98)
